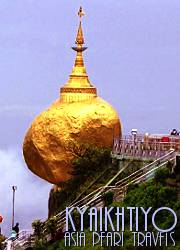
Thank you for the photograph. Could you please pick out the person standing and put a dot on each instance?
(16, 229)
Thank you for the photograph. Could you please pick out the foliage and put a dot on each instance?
(161, 175)
(51, 226)
(108, 198)
(2, 239)
(40, 245)
(37, 225)
(154, 193)
(90, 170)
(133, 165)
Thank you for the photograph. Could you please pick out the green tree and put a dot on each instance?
(37, 225)
(108, 198)
(51, 226)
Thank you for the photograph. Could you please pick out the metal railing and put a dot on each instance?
(96, 197)
(24, 237)
(142, 148)
(140, 175)
(148, 167)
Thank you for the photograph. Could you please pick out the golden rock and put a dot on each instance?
(78, 116)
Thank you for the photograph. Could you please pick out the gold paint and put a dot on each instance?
(78, 116)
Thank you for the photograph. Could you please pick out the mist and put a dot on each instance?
(31, 199)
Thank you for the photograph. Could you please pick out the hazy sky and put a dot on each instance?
(133, 59)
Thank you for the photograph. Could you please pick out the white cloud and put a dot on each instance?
(31, 196)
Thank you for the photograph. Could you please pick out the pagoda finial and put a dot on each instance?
(80, 37)
(81, 12)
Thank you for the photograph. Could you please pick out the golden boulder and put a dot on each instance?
(78, 116)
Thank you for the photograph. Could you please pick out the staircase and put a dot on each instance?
(25, 239)
(141, 175)
(119, 189)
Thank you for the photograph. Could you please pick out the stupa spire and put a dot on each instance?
(79, 42)
(78, 87)
(80, 37)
